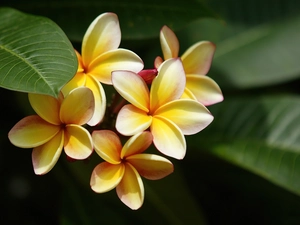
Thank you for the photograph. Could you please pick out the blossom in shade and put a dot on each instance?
(196, 61)
(100, 55)
(124, 166)
(160, 109)
(57, 126)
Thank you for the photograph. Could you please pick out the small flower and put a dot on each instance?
(161, 109)
(124, 166)
(57, 126)
(196, 62)
(100, 55)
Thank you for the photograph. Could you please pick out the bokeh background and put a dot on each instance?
(243, 169)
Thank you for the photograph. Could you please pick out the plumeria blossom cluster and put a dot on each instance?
(158, 106)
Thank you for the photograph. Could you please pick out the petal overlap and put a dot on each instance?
(102, 35)
(123, 82)
(131, 189)
(132, 120)
(78, 142)
(106, 176)
(189, 115)
(45, 156)
(32, 131)
(168, 138)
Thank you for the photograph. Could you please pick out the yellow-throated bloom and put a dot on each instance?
(57, 125)
(161, 109)
(196, 61)
(100, 55)
(124, 166)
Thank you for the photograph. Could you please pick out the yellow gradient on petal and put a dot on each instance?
(106, 177)
(189, 115)
(108, 145)
(197, 59)
(78, 142)
(131, 188)
(169, 43)
(152, 167)
(187, 94)
(77, 81)
(32, 131)
(47, 107)
(168, 138)
(132, 120)
(118, 59)
(168, 85)
(99, 100)
(102, 35)
(205, 89)
(137, 144)
(77, 107)
(45, 156)
(132, 88)
(80, 62)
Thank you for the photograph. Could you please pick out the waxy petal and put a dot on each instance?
(78, 142)
(118, 59)
(188, 94)
(137, 144)
(197, 59)
(108, 145)
(131, 120)
(44, 157)
(80, 62)
(131, 188)
(152, 167)
(47, 107)
(77, 107)
(169, 43)
(32, 131)
(168, 85)
(99, 100)
(132, 88)
(77, 81)
(168, 138)
(189, 115)
(205, 89)
(106, 176)
(102, 35)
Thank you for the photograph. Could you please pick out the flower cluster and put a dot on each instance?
(159, 105)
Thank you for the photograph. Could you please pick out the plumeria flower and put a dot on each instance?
(196, 62)
(100, 55)
(57, 125)
(124, 166)
(161, 109)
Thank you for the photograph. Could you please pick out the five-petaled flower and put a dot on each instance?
(161, 109)
(100, 55)
(124, 166)
(196, 61)
(57, 126)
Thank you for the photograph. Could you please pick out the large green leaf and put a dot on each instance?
(260, 134)
(36, 56)
(138, 18)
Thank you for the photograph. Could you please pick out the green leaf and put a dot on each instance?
(139, 19)
(36, 56)
(259, 134)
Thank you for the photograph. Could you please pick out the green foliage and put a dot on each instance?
(261, 135)
(139, 19)
(36, 56)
